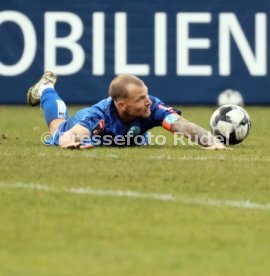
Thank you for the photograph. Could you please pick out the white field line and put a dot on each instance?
(244, 204)
(93, 155)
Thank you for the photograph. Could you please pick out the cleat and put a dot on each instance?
(33, 97)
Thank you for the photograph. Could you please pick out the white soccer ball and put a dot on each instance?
(230, 96)
(230, 123)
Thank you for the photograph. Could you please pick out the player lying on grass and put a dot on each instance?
(129, 112)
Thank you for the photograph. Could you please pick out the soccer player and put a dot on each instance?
(128, 113)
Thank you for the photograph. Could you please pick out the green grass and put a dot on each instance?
(59, 233)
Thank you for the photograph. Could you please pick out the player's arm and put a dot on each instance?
(177, 123)
(73, 138)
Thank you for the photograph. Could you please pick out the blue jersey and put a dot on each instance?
(103, 122)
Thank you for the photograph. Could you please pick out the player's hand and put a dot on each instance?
(217, 146)
(72, 145)
(77, 145)
(88, 146)
(75, 138)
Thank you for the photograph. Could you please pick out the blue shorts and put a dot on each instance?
(54, 139)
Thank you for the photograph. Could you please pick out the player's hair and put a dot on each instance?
(119, 86)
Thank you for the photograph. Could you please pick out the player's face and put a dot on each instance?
(138, 103)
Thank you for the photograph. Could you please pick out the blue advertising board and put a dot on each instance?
(186, 51)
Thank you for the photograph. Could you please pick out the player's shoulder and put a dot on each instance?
(102, 107)
(104, 104)
(159, 106)
(156, 102)
(98, 110)
(154, 99)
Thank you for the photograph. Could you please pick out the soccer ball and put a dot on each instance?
(230, 96)
(230, 123)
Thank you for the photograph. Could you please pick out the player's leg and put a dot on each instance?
(54, 108)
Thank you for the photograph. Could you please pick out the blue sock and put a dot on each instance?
(53, 106)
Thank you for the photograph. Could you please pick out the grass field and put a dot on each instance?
(156, 210)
